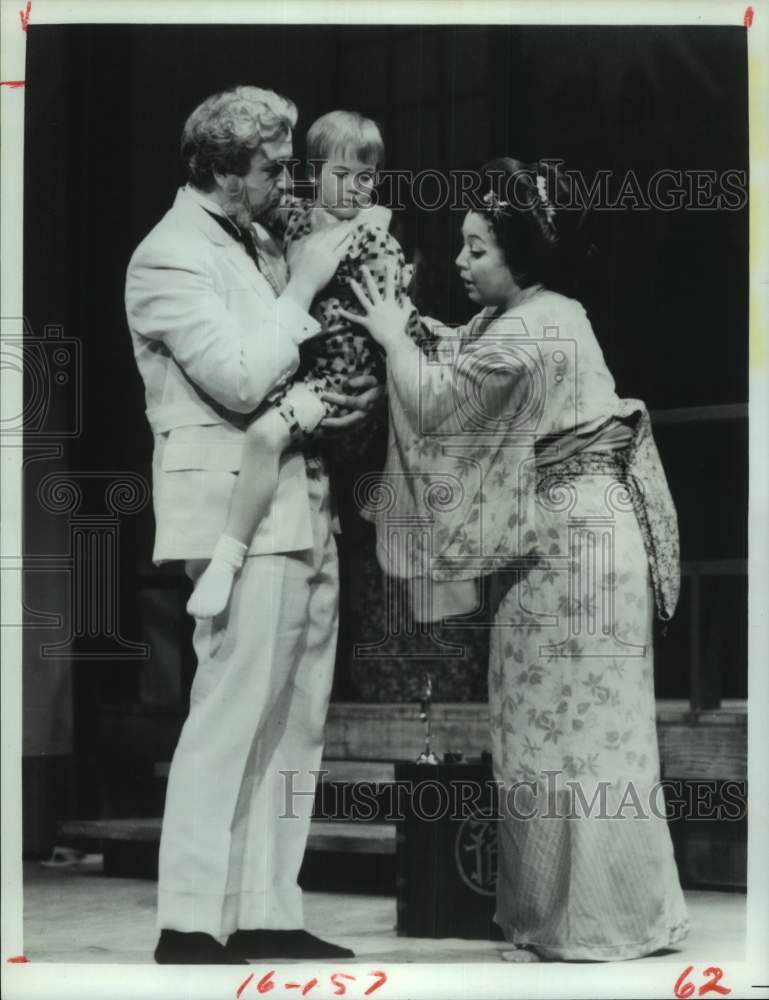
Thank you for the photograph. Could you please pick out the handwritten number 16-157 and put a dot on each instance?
(338, 980)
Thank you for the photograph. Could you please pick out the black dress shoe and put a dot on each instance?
(195, 948)
(283, 944)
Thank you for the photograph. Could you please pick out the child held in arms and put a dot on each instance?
(349, 151)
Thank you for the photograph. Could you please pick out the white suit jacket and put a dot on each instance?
(211, 340)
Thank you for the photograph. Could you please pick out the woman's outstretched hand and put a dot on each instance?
(383, 317)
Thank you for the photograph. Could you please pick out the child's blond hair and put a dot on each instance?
(346, 133)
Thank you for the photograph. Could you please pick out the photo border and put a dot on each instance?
(420, 980)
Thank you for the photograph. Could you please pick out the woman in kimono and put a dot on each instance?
(518, 480)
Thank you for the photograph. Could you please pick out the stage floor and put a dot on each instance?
(87, 917)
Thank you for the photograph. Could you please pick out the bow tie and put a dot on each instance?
(247, 238)
(244, 236)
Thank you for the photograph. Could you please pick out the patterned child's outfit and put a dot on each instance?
(344, 350)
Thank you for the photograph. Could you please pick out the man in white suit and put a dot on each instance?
(216, 324)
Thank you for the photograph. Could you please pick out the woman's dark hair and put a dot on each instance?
(542, 237)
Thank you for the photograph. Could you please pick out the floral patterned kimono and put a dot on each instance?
(513, 467)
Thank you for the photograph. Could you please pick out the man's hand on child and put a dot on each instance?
(366, 395)
(313, 260)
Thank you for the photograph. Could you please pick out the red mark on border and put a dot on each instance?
(685, 988)
(243, 985)
(682, 988)
(14, 84)
(711, 986)
(18, 959)
(24, 15)
(336, 978)
(381, 980)
(266, 984)
(748, 19)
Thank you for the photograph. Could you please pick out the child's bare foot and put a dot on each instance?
(212, 591)
(519, 955)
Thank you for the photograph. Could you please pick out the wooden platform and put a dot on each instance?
(325, 835)
(364, 740)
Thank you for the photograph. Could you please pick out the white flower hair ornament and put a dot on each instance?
(548, 207)
(493, 203)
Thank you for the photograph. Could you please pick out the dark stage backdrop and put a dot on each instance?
(104, 110)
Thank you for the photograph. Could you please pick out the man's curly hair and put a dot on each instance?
(225, 131)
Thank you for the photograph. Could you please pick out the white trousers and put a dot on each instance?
(257, 710)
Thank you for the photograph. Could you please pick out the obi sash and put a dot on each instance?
(624, 446)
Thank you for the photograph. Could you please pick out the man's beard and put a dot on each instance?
(243, 213)
(268, 216)
(239, 211)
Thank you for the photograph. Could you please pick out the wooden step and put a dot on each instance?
(110, 829)
(325, 835)
(346, 836)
